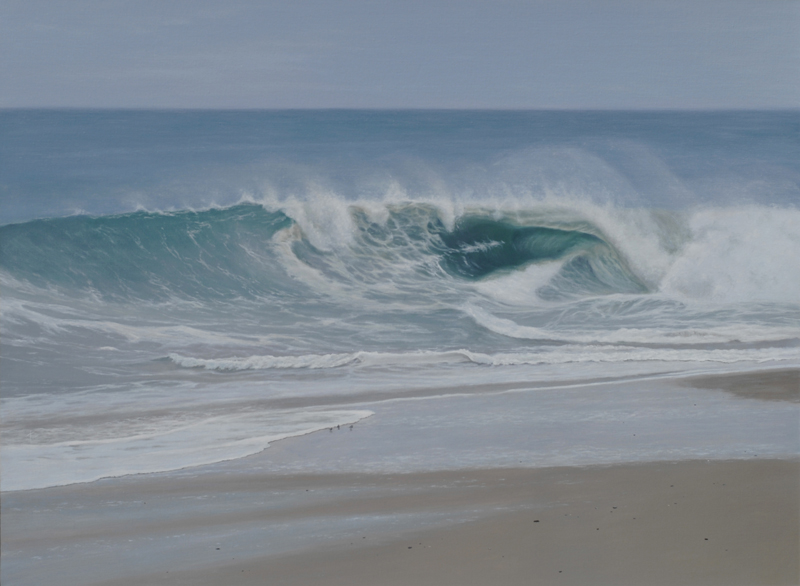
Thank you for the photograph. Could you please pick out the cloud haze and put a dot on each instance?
(409, 54)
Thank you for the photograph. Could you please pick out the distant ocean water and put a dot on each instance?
(172, 281)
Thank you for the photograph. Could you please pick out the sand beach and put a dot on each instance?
(688, 522)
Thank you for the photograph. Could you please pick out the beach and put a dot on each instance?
(689, 521)
(716, 523)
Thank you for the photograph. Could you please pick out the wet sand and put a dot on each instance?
(683, 523)
(690, 523)
(770, 385)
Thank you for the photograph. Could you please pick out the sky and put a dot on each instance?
(654, 54)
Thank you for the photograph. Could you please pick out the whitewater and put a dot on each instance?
(185, 288)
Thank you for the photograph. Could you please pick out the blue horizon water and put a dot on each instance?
(99, 162)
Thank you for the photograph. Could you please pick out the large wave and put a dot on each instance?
(256, 251)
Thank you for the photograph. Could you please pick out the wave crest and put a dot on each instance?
(412, 248)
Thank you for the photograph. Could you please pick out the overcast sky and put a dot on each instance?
(400, 54)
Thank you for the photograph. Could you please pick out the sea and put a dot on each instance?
(185, 288)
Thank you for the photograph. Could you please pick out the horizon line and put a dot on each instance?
(391, 109)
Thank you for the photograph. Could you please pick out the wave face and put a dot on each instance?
(229, 253)
(429, 250)
(215, 253)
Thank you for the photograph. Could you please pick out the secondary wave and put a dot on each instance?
(559, 355)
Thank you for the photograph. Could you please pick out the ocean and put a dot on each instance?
(183, 288)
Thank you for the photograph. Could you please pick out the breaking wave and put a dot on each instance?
(250, 251)
(562, 355)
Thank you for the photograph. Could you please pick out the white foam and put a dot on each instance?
(41, 315)
(520, 287)
(749, 253)
(617, 354)
(318, 361)
(323, 216)
(718, 334)
(139, 446)
(572, 353)
(267, 362)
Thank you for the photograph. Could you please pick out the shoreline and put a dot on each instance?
(765, 384)
(461, 495)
